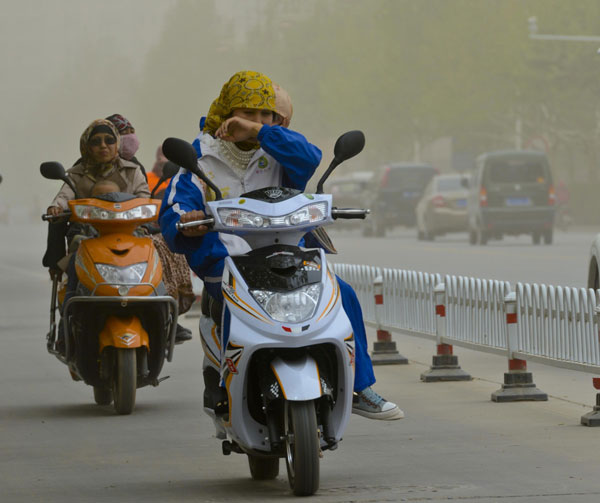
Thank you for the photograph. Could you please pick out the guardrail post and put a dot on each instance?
(518, 383)
(445, 364)
(593, 418)
(384, 349)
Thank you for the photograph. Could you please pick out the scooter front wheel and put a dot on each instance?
(125, 380)
(302, 447)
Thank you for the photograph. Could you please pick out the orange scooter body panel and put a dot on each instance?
(118, 250)
(123, 332)
(106, 225)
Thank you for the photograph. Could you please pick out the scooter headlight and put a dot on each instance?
(89, 212)
(290, 307)
(235, 217)
(129, 274)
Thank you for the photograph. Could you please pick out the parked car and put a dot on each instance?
(443, 207)
(511, 192)
(347, 191)
(392, 195)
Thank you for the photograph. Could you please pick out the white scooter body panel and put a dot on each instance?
(299, 379)
(251, 329)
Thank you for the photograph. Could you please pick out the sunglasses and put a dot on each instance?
(96, 141)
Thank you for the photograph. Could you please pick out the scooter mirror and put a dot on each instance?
(52, 170)
(348, 145)
(169, 170)
(181, 153)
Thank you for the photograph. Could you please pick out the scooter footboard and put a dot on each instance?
(298, 379)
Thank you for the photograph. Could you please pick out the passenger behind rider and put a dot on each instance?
(241, 150)
(130, 142)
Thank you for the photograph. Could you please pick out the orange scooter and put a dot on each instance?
(119, 326)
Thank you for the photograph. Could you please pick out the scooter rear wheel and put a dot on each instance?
(125, 380)
(262, 468)
(302, 447)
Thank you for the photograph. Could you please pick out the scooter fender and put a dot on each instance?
(123, 332)
(299, 380)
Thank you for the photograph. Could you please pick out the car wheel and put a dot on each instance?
(593, 277)
(536, 237)
(548, 237)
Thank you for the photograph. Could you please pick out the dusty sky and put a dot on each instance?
(41, 48)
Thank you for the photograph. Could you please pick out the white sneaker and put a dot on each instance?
(369, 404)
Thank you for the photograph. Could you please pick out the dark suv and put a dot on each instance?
(511, 192)
(392, 195)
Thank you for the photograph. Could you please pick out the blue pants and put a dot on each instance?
(364, 375)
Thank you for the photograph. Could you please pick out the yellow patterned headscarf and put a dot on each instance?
(245, 89)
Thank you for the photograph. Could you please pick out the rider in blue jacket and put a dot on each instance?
(240, 150)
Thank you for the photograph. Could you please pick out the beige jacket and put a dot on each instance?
(128, 176)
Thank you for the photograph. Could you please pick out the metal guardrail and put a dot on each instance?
(475, 312)
(558, 325)
(555, 325)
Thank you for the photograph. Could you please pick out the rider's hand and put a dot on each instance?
(238, 129)
(54, 210)
(190, 216)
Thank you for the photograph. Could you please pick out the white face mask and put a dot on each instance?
(129, 146)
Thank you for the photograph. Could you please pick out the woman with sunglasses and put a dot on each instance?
(99, 161)
(99, 146)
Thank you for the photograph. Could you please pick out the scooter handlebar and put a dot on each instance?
(349, 213)
(47, 217)
(207, 221)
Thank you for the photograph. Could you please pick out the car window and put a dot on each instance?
(449, 184)
(516, 171)
(415, 178)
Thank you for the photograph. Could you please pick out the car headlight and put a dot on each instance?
(87, 212)
(290, 307)
(235, 217)
(129, 274)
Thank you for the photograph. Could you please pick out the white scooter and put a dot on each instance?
(279, 363)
